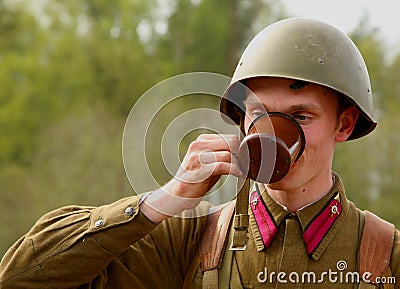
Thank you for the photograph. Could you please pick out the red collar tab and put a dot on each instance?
(265, 222)
(316, 230)
(313, 233)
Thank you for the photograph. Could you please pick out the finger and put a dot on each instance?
(222, 168)
(216, 144)
(230, 139)
(212, 136)
(208, 170)
(208, 157)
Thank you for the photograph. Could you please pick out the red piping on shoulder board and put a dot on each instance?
(319, 227)
(265, 222)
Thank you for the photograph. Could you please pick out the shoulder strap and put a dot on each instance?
(375, 246)
(213, 244)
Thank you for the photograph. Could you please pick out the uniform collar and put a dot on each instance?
(319, 221)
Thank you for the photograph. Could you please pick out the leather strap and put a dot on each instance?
(375, 246)
(213, 244)
(241, 218)
(214, 239)
(220, 278)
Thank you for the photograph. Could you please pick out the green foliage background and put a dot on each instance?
(70, 71)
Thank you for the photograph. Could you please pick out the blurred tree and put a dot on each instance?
(99, 43)
(21, 82)
(68, 76)
(210, 35)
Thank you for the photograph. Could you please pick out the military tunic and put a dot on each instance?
(116, 246)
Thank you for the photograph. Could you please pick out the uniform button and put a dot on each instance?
(99, 223)
(130, 211)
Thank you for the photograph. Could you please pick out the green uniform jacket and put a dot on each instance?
(116, 246)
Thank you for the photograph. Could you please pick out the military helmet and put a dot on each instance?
(308, 50)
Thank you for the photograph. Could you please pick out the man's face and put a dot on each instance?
(315, 108)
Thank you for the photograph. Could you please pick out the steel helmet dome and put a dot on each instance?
(309, 50)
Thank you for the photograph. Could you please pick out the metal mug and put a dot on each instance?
(273, 143)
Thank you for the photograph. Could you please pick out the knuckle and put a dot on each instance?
(194, 146)
(220, 168)
(193, 157)
(235, 140)
(233, 145)
(203, 136)
(226, 156)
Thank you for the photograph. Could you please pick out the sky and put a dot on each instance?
(345, 14)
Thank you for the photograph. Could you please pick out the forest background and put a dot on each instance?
(70, 72)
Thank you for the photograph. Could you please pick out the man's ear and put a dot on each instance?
(346, 123)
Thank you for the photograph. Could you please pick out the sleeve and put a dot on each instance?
(112, 246)
(162, 258)
(72, 245)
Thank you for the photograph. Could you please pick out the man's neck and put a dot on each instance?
(300, 197)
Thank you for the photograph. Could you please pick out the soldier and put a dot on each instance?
(303, 232)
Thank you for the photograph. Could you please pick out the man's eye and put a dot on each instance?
(253, 113)
(258, 112)
(301, 117)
